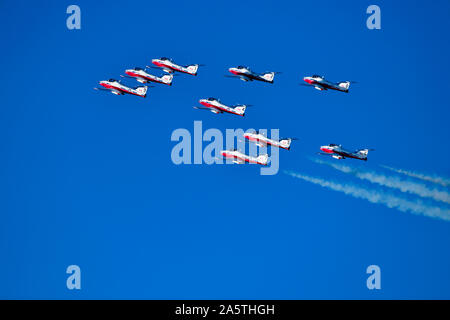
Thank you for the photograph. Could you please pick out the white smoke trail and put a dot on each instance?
(445, 182)
(378, 197)
(392, 182)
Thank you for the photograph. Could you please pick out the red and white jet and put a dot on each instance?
(337, 152)
(245, 74)
(215, 106)
(119, 89)
(143, 77)
(169, 66)
(321, 84)
(262, 141)
(240, 158)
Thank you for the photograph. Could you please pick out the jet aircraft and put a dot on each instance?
(214, 105)
(118, 88)
(337, 152)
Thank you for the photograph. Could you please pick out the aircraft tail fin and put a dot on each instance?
(344, 85)
(286, 143)
(142, 91)
(268, 76)
(263, 159)
(363, 152)
(167, 79)
(192, 69)
(240, 109)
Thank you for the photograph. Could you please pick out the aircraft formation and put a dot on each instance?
(169, 67)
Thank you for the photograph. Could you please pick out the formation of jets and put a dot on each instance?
(214, 105)
(141, 75)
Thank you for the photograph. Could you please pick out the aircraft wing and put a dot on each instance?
(262, 144)
(334, 155)
(319, 87)
(135, 77)
(212, 109)
(325, 154)
(115, 91)
(240, 76)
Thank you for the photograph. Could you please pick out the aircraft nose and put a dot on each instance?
(307, 79)
(326, 149)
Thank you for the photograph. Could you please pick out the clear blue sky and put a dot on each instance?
(87, 179)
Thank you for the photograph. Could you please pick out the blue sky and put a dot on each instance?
(87, 177)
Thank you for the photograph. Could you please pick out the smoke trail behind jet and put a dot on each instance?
(445, 182)
(378, 197)
(406, 186)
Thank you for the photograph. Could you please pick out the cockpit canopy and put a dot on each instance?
(242, 67)
(333, 145)
(164, 58)
(138, 69)
(211, 99)
(316, 76)
(112, 80)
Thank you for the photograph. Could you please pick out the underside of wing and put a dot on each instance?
(212, 109)
(319, 87)
(141, 79)
(261, 144)
(325, 154)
